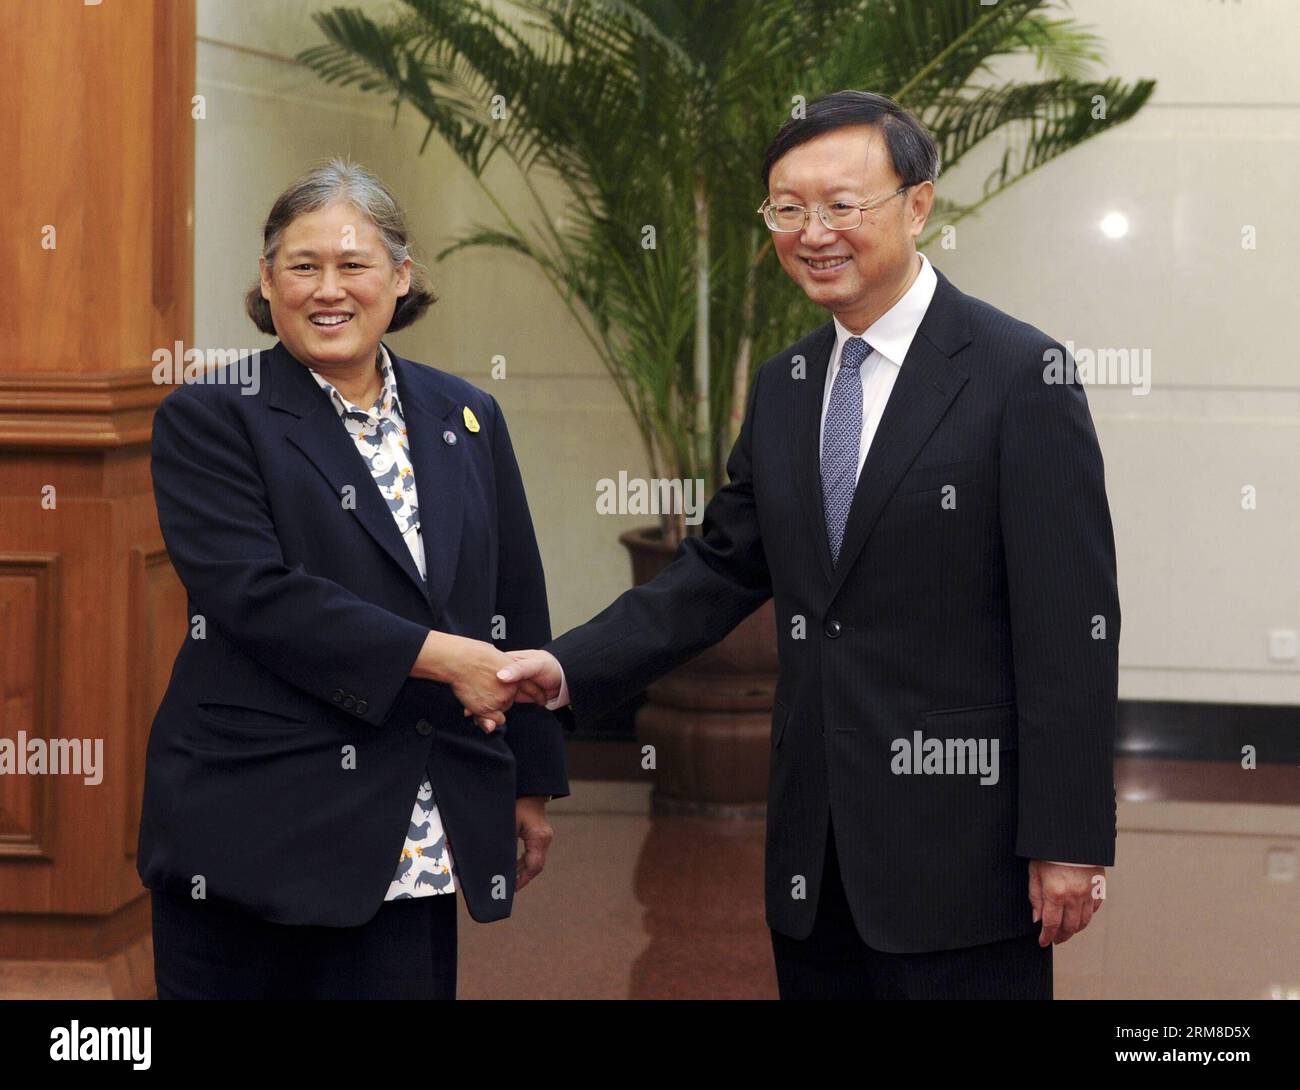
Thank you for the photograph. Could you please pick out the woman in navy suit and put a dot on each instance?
(330, 763)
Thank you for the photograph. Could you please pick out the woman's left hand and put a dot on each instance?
(536, 833)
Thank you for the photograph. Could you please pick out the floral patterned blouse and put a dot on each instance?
(425, 866)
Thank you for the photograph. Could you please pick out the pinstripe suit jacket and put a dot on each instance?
(975, 598)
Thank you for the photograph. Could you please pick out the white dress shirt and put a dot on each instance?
(890, 336)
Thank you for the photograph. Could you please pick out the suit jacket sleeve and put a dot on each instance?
(532, 732)
(221, 537)
(1064, 607)
(714, 582)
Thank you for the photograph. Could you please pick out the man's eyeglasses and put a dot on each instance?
(837, 216)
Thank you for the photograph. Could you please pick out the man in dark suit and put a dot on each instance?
(928, 508)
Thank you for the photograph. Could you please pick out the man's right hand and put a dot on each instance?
(539, 667)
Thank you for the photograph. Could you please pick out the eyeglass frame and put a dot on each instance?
(863, 209)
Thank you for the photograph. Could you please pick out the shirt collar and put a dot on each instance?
(891, 334)
(387, 403)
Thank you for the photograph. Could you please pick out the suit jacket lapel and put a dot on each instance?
(440, 469)
(321, 436)
(808, 395)
(927, 382)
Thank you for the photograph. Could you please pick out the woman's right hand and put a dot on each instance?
(470, 668)
(474, 680)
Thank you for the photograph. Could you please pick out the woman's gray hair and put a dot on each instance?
(322, 186)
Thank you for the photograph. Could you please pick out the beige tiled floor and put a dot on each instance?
(1198, 906)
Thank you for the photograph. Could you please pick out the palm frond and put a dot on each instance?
(626, 107)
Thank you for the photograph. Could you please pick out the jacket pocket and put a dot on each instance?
(990, 721)
(933, 477)
(244, 721)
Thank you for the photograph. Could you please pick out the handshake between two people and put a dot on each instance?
(485, 680)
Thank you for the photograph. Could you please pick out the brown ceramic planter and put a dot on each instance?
(709, 720)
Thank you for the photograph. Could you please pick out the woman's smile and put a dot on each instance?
(330, 322)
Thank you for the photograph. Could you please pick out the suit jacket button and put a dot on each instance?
(337, 696)
(832, 629)
(349, 700)
(423, 727)
(361, 707)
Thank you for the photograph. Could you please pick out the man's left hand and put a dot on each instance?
(1064, 898)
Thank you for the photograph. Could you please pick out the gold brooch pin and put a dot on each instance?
(471, 421)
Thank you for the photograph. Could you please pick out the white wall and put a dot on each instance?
(1201, 580)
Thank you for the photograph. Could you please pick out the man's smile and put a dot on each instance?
(825, 266)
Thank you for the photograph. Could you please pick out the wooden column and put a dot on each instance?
(96, 200)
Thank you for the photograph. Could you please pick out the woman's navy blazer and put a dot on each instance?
(285, 757)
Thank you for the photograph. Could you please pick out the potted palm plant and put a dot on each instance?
(651, 116)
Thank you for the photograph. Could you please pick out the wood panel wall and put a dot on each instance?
(96, 207)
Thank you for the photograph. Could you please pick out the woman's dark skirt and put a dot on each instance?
(206, 950)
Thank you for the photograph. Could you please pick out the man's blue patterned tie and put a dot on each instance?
(841, 437)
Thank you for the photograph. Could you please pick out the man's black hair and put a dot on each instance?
(912, 150)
